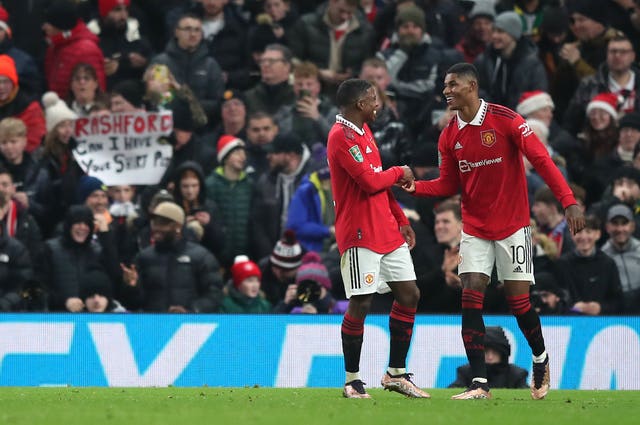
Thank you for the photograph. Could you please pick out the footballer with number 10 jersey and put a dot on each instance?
(367, 214)
(483, 157)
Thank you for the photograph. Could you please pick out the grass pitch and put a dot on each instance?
(187, 406)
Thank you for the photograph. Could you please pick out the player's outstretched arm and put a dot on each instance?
(575, 218)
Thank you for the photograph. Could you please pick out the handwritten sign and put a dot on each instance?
(124, 148)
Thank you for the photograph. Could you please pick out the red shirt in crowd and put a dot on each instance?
(367, 214)
(484, 158)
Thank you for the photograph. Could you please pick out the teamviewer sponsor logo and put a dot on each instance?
(466, 166)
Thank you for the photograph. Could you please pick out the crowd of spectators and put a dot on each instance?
(242, 219)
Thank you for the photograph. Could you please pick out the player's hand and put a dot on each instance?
(409, 235)
(409, 187)
(575, 218)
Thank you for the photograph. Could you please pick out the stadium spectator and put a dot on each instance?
(551, 221)
(70, 42)
(510, 66)
(288, 163)
(548, 298)
(125, 50)
(187, 58)
(261, 131)
(85, 92)
(590, 275)
(231, 188)
(478, 34)
(625, 251)
(173, 275)
(127, 96)
(242, 293)
(68, 257)
(19, 104)
(500, 373)
(97, 293)
(15, 272)
(233, 116)
(280, 267)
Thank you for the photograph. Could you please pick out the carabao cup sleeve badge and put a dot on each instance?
(355, 153)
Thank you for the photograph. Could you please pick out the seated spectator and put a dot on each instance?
(85, 92)
(25, 172)
(510, 66)
(231, 188)
(590, 275)
(27, 69)
(62, 170)
(261, 131)
(15, 220)
(67, 258)
(243, 292)
(97, 293)
(202, 214)
(233, 117)
(279, 269)
(187, 57)
(92, 192)
(623, 188)
(625, 251)
(547, 297)
(18, 104)
(311, 213)
(15, 272)
(127, 96)
(173, 275)
(311, 292)
(125, 50)
(549, 216)
(70, 42)
(500, 373)
(124, 213)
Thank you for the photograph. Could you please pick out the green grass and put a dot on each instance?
(187, 406)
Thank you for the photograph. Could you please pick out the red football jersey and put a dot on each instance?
(483, 158)
(367, 214)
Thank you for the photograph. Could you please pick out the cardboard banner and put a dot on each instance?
(124, 148)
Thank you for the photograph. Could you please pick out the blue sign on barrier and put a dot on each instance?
(288, 350)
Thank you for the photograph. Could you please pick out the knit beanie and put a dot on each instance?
(531, 101)
(595, 10)
(62, 14)
(555, 20)
(605, 101)
(242, 269)
(482, 9)
(106, 6)
(95, 282)
(510, 23)
(226, 144)
(8, 69)
(86, 186)
(182, 117)
(411, 14)
(287, 253)
(313, 269)
(630, 120)
(55, 110)
(4, 21)
(131, 90)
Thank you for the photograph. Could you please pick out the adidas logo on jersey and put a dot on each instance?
(457, 146)
(517, 270)
(368, 150)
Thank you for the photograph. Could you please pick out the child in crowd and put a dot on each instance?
(243, 294)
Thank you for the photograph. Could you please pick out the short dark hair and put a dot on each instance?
(591, 221)
(350, 91)
(545, 195)
(464, 69)
(287, 55)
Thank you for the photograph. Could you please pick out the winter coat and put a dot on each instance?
(306, 213)
(308, 130)
(233, 199)
(628, 261)
(503, 81)
(184, 274)
(15, 272)
(196, 69)
(273, 99)
(29, 76)
(28, 110)
(238, 303)
(65, 51)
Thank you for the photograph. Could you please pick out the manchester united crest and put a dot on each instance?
(369, 279)
(488, 137)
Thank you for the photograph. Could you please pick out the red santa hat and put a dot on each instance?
(605, 101)
(531, 101)
(4, 20)
(243, 268)
(106, 6)
(227, 143)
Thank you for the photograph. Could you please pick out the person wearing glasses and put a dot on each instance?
(187, 57)
(273, 93)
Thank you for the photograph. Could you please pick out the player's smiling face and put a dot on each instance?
(369, 104)
(457, 90)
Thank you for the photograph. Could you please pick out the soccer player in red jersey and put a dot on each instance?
(373, 236)
(481, 155)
